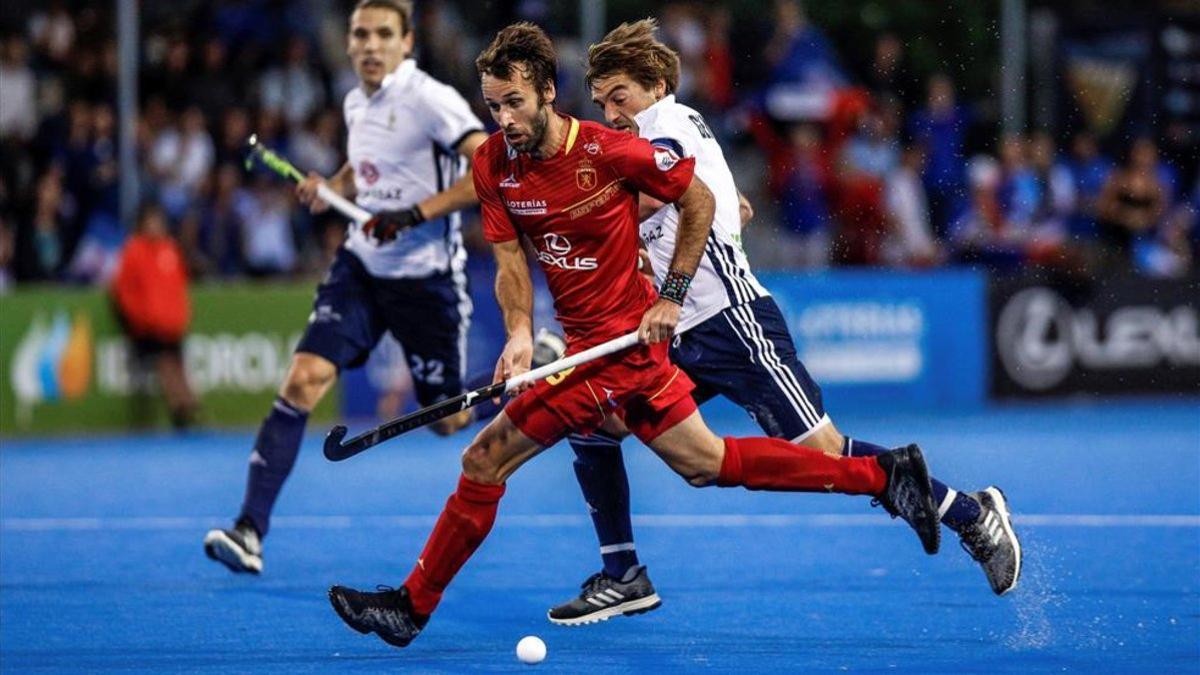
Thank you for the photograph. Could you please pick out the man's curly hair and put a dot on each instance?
(522, 47)
(632, 49)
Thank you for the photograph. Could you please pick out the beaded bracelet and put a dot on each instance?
(675, 287)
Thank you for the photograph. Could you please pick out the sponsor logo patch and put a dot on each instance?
(554, 252)
(368, 171)
(665, 158)
(526, 207)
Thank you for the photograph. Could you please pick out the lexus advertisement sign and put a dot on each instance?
(1119, 336)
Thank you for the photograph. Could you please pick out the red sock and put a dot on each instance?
(462, 527)
(777, 465)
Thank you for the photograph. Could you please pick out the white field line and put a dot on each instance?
(684, 520)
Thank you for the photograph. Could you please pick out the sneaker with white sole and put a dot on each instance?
(991, 541)
(604, 597)
(239, 549)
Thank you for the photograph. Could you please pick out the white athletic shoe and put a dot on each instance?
(991, 541)
(604, 597)
(238, 549)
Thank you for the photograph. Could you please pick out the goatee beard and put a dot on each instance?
(537, 133)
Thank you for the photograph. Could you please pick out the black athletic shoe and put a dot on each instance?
(991, 541)
(604, 596)
(547, 348)
(388, 613)
(238, 549)
(908, 494)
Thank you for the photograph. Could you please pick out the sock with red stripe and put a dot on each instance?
(462, 527)
(777, 465)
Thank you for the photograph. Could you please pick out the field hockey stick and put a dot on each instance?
(284, 168)
(336, 450)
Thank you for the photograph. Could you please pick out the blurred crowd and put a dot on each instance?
(868, 161)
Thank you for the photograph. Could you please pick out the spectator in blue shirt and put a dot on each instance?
(1089, 171)
(941, 129)
(798, 53)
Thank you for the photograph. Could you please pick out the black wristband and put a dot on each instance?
(418, 217)
(675, 287)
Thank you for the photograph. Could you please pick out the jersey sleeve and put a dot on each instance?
(348, 108)
(447, 116)
(497, 226)
(657, 170)
(674, 133)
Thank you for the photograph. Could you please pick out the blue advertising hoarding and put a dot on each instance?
(869, 338)
(903, 340)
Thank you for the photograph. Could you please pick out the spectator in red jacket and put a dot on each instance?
(150, 292)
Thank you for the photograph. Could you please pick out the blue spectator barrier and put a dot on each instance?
(879, 340)
(870, 339)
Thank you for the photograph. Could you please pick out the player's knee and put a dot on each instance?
(307, 380)
(479, 463)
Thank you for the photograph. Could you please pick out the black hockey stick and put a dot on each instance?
(336, 450)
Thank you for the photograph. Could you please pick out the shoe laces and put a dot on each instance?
(597, 583)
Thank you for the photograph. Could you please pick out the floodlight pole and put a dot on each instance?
(127, 109)
(591, 21)
(1013, 48)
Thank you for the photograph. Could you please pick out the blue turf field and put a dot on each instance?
(101, 566)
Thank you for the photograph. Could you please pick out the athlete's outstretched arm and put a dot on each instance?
(514, 293)
(386, 225)
(461, 194)
(696, 208)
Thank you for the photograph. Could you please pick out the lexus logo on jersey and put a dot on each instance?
(555, 254)
(556, 243)
(368, 171)
(585, 176)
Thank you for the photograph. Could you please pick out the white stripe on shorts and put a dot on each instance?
(780, 373)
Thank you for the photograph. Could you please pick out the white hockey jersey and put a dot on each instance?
(401, 146)
(724, 278)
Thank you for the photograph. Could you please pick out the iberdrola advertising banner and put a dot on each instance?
(65, 366)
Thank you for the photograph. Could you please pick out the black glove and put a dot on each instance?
(385, 225)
